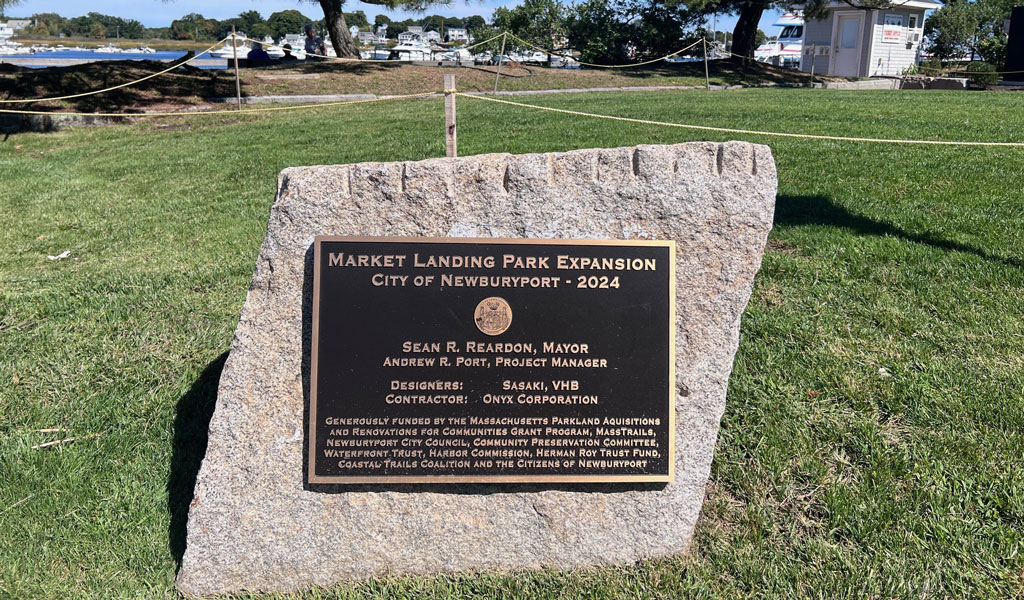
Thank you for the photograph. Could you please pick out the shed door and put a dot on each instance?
(846, 45)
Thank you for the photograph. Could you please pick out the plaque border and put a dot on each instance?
(312, 478)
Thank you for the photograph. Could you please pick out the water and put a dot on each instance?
(97, 56)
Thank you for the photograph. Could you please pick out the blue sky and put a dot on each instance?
(154, 13)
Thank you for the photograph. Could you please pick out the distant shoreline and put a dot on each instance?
(154, 43)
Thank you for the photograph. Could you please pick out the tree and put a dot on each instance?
(250, 19)
(51, 22)
(596, 29)
(539, 22)
(659, 28)
(260, 31)
(474, 22)
(334, 20)
(194, 26)
(962, 28)
(750, 12)
(618, 31)
(287, 21)
(357, 18)
(240, 25)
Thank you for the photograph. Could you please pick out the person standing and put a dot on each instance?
(314, 43)
(258, 57)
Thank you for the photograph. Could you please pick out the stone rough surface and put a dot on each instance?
(255, 525)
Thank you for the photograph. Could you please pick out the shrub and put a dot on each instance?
(932, 67)
(982, 73)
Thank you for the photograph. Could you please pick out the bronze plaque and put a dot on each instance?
(491, 360)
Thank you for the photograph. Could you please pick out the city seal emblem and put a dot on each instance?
(493, 315)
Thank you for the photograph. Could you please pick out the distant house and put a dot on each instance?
(456, 34)
(19, 24)
(850, 42)
(382, 33)
(6, 31)
(416, 29)
(368, 38)
(431, 36)
(407, 36)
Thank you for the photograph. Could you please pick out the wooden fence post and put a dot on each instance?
(238, 84)
(707, 80)
(451, 143)
(500, 57)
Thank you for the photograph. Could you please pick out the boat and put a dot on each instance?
(409, 51)
(141, 49)
(8, 48)
(460, 55)
(559, 61)
(787, 49)
(378, 53)
(530, 57)
(109, 49)
(227, 51)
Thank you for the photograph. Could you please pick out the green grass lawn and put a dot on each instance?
(873, 440)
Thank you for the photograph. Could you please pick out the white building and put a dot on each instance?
(407, 36)
(19, 24)
(382, 33)
(368, 38)
(431, 37)
(456, 34)
(863, 43)
(6, 31)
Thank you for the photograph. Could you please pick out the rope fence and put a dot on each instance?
(808, 136)
(599, 66)
(450, 92)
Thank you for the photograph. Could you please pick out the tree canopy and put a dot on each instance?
(962, 28)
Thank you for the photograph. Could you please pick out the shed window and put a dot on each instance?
(913, 21)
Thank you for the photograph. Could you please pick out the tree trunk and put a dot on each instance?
(334, 18)
(744, 36)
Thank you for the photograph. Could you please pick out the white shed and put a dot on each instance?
(851, 42)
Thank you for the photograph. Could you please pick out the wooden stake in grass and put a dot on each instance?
(450, 142)
(707, 80)
(501, 56)
(238, 82)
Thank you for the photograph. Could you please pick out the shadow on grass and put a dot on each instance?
(727, 71)
(820, 210)
(191, 432)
